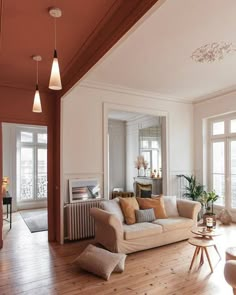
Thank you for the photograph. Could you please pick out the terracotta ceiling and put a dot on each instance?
(85, 32)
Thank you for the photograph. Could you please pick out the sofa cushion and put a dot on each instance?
(113, 206)
(171, 206)
(128, 206)
(140, 230)
(156, 203)
(146, 215)
(174, 223)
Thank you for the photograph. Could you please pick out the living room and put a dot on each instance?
(157, 77)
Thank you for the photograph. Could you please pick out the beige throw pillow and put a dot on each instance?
(100, 261)
(128, 206)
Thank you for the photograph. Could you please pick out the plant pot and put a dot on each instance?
(210, 215)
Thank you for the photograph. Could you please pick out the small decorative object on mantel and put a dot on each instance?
(141, 163)
(225, 217)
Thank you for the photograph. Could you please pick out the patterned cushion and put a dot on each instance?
(128, 206)
(101, 262)
(146, 215)
(157, 204)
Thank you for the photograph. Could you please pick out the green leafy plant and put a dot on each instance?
(207, 200)
(194, 190)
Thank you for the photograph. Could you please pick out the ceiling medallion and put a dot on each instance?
(211, 52)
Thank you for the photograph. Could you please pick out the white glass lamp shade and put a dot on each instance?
(55, 78)
(37, 102)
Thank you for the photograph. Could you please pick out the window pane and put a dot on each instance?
(42, 138)
(155, 160)
(26, 174)
(144, 144)
(154, 144)
(26, 137)
(233, 125)
(42, 174)
(218, 128)
(233, 173)
(218, 166)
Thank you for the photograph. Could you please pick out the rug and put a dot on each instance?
(36, 220)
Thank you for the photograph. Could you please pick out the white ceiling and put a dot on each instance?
(155, 56)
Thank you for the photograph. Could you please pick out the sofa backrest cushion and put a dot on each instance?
(171, 206)
(146, 215)
(128, 206)
(156, 203)
(113, 206)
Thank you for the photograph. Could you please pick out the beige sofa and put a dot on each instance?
(116, 236)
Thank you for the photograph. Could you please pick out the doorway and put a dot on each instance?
(25, 167)
(129, 121)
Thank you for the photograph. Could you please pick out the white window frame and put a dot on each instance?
(227, 137)
(35, 145)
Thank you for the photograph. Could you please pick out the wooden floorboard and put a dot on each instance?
(29, 265)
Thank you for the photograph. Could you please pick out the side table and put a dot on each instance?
(7, 200)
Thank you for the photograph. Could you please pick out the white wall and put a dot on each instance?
(83, 131)
(117, 154)
(218, 106)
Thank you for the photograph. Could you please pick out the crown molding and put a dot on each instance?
(120, 89)
(215, 95)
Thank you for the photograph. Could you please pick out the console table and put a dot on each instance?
(7, 200)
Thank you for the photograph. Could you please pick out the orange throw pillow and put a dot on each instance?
(157, 204)
(128, 206)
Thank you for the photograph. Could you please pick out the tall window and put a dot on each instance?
(222, 160)
(150, 146)
(31, 164)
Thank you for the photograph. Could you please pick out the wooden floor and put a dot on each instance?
(29, 265)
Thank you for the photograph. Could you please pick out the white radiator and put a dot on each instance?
(80, 224)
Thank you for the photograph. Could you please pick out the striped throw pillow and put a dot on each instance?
(145, 215)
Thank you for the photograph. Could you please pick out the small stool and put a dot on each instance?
(201, 245)
(230, 253)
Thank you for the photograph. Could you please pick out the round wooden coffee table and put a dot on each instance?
(201, 244)
(230, 253)
(207, 233)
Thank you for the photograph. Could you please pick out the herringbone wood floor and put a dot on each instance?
(29, 265)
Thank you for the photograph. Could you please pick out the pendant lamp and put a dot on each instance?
(55, 78)
(37, 102)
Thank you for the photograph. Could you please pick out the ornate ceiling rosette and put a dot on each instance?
(212, 52)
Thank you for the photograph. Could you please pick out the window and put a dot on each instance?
(31, 164)
(222, 152)
(150, 146)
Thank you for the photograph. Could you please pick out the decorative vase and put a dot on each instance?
(225, 217)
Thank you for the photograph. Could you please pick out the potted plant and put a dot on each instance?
(194, 189)
(207, 200)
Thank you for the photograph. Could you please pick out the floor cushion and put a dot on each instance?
(100, 261)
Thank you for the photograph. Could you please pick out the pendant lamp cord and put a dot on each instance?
(37, 72)
(55, 33)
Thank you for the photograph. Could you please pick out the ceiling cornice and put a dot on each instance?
(215, 95)
(142, 93)
(109, 31)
